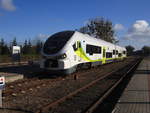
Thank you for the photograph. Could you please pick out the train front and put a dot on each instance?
(54, 53)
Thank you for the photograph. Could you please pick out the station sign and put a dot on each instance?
(16, 50)
(2, 82)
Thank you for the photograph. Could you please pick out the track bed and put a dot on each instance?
(30, 95)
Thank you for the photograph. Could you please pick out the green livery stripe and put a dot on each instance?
(80, 52)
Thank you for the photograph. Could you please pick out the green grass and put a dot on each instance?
(8, 58)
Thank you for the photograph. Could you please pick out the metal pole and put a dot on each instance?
(1, 98)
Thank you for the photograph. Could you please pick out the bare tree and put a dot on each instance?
(99, 28)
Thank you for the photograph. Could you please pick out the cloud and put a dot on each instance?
(41, 37)
(138, 34)
(139, 31)
(118, 27)
(7, 5)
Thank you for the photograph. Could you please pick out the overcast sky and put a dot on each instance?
(32, 19)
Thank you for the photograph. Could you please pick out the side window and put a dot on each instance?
(113, 52)
(116, 52)
(124, 52)
(108, 55)
(79, 44)
(88, 49)
(120, 55)
(91, 49)
(74, 46)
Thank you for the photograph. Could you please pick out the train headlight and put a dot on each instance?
(62, 56)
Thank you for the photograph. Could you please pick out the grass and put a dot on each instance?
(8, 58)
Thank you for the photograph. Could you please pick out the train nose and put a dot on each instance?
(51, 63)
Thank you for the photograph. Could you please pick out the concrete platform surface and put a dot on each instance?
(136, 96)
(11, 77)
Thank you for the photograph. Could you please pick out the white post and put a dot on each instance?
(2, 84)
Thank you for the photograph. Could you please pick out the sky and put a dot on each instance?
(38, 19)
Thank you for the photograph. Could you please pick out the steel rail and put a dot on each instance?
(52, 104)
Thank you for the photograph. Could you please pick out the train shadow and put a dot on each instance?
(142, 72)
(29, 71)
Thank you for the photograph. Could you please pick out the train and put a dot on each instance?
(67, 51)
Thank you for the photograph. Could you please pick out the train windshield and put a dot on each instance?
(56, 42)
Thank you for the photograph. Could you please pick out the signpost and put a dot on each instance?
(2, 85)
(16, 53)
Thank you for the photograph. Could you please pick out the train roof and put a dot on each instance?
(57, 41)
(96, 40)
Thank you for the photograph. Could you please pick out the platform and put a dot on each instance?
(136, 96)
(11, 77)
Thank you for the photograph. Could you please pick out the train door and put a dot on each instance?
(79, 47)
(104, 55)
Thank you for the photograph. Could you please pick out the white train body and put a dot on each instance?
(65, 51)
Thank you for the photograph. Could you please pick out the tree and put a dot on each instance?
(1, 45)
(84, 30)
(129, 50)
(14, 42)
(4, 50)
(29, 47)
(39, 45)
(25, 47)
(99, 28)
(146, 50)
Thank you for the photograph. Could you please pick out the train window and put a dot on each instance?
(113, 52)
(108, 55)
(91, 49)
(116, 52)
(88, 49)
(57, 41)
(74, 47)
(119, 55)
(79, 44)
(124, 52)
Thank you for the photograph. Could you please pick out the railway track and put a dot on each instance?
(47, 90)
(2, 65)
(25, 85)
(99, 101)
(88, 97)
(18, 86)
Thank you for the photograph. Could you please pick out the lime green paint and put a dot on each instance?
(80, 52)
(104, 56)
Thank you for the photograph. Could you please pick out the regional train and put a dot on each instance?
(65, 52)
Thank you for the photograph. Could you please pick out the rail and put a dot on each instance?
(45, 108)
